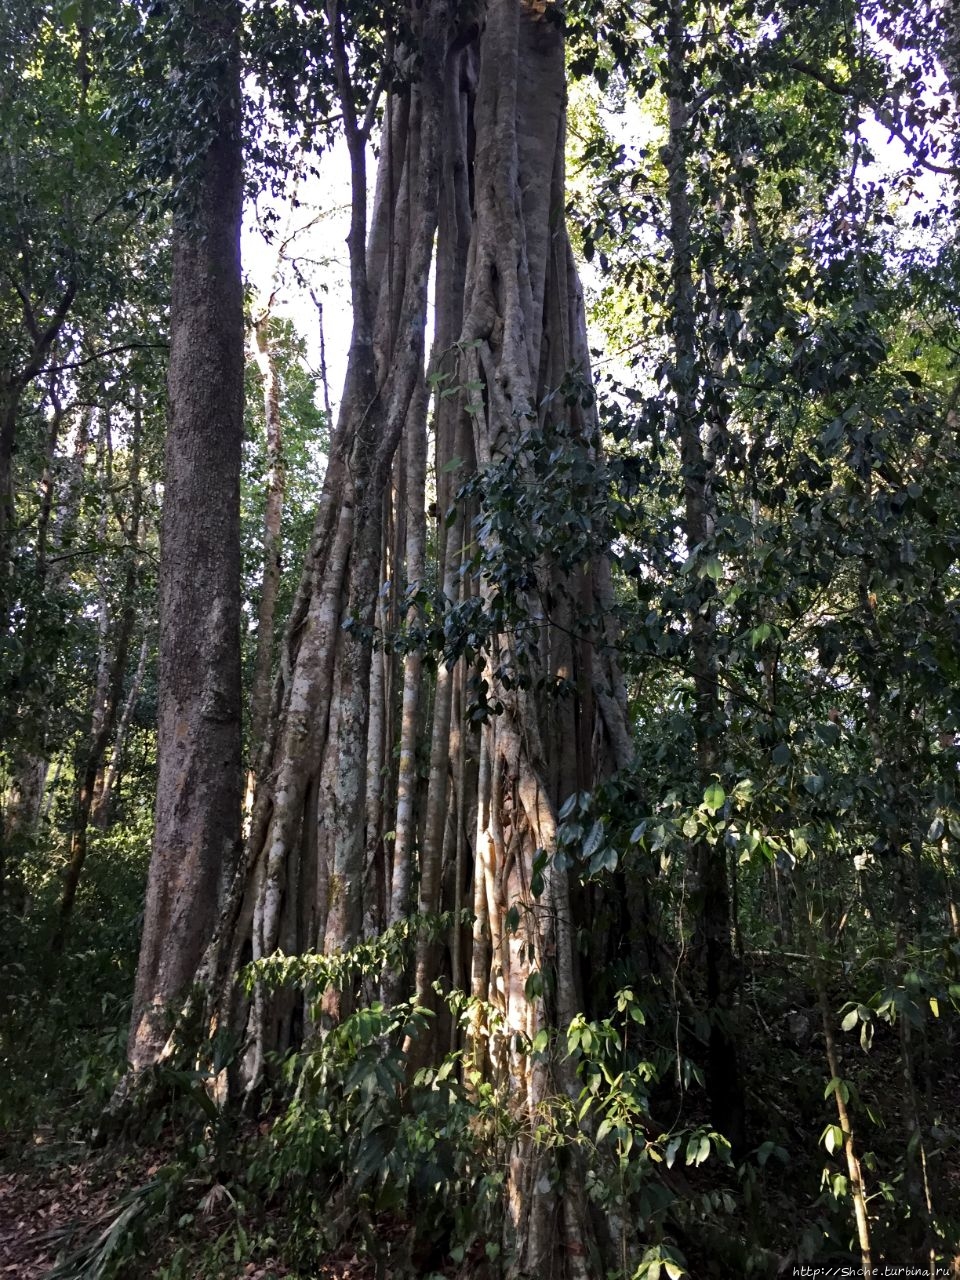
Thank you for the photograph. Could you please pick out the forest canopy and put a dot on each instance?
(479, 639)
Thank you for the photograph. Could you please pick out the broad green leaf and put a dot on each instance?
(832, 1138)
(533, 987)
(594, 837)
(714, 797)
(935, 830)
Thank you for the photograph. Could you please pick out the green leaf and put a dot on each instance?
(780, 754)
(837, 1085)
(698, 1148)
(533, 987)
(714, 797)
(935, 830)
(605, 860)
(832, 1138)
(594, 837)
(849, 1021)
(568, 806)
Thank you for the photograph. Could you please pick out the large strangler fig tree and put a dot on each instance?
(526, 707)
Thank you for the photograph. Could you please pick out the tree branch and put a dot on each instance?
(42, 343)
(883, 117)
(109, 351)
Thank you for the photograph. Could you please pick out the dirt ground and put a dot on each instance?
(59, 1200)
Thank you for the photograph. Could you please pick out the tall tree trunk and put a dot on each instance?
(272, 527)
(714, 926)
(11, 392)
(454, 463)
(399, 337)
(320, 736)
(510, 327)
(47, 482)
(524, 325)
(197, 831)
(407, 780)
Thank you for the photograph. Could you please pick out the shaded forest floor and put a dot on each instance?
(61, 1197)
(64, 1195)
(177, 1198)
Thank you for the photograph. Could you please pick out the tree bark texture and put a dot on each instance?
(308, 823)
(198, 788)
(523, 333)
(472, 163)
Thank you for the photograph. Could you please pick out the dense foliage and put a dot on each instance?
(761, 473)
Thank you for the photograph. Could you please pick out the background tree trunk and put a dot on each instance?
(714, 923)
(107, 688)
(272, 524)
(103, 804)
